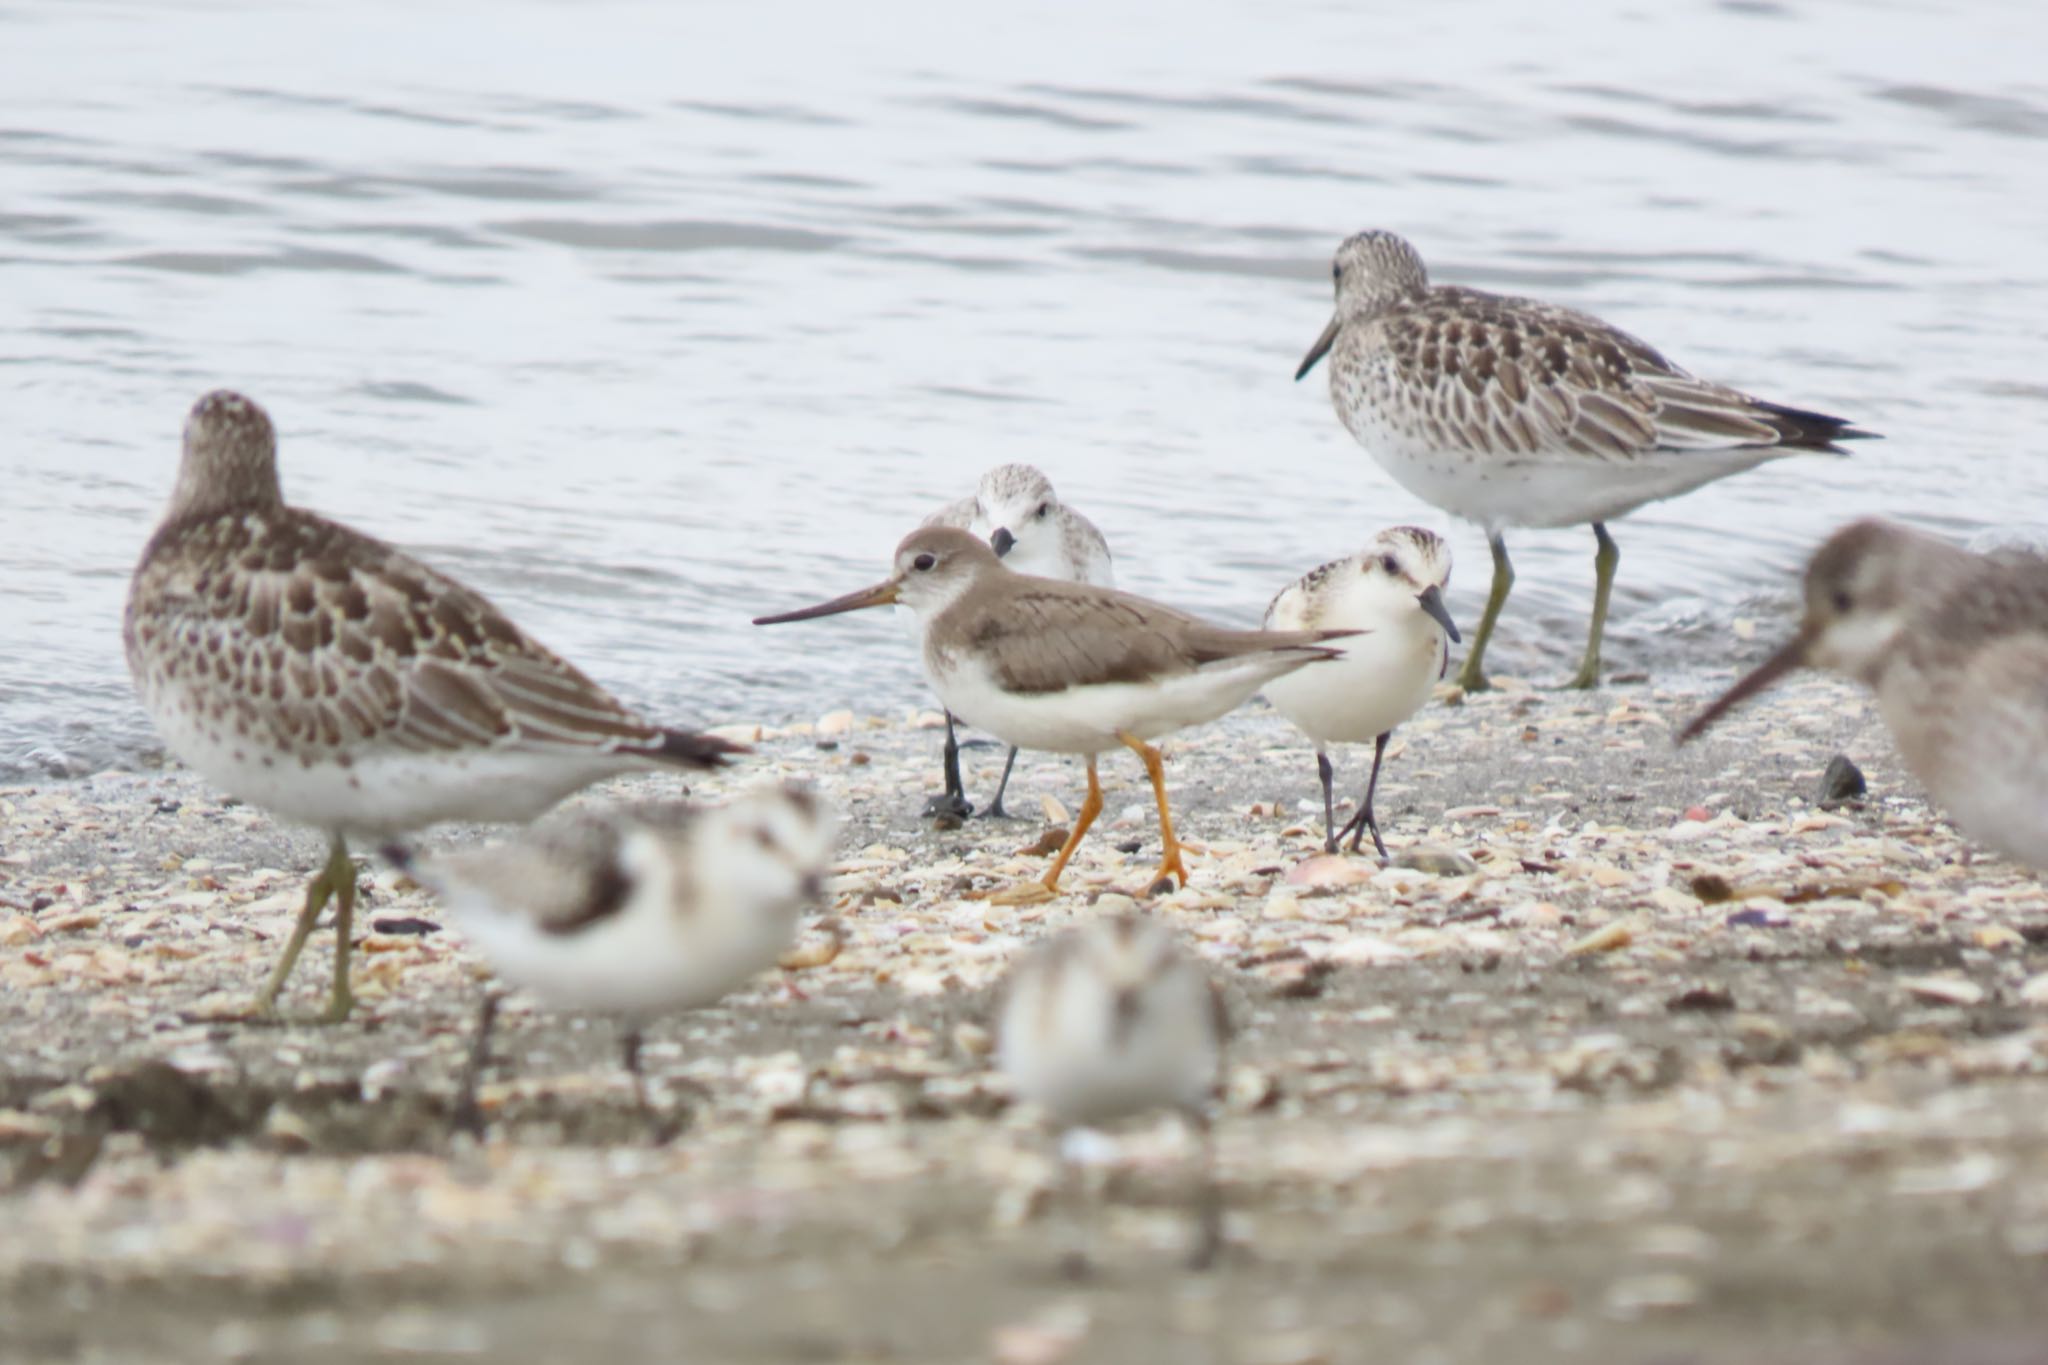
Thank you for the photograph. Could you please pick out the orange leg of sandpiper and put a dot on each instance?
(1090, 808)
(1169, 862)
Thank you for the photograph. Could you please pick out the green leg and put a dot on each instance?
(1604, 560)
(336, 878)
(1472, 677)
(340, 1000)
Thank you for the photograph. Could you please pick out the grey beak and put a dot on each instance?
(1319, 350)
(1432, 601)
(1002, 542)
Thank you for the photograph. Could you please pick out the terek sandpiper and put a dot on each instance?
(636, 910)
(1515, 412)
(1114, 1019)
(1068, 667)
(1956, 647)
(1392, 593)
(337, 682)
(1016, 511)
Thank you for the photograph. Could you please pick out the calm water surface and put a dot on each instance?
(646, 318)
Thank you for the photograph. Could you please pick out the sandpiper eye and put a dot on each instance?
(1044, 510)
(1390, 564)
(1840, 600)
(1336, 271)
(924, 562)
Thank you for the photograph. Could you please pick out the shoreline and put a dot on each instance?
(1634, 1083)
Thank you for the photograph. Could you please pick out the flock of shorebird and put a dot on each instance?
(339, 683)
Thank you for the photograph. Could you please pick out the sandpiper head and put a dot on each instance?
(1411, 561)
(1402, 569)
(1857, 587)
(1017, 502)
(1370, 270)
(230, 457)
(765, 849)
(933, 566)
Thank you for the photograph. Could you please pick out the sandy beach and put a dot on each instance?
(1647, 1057)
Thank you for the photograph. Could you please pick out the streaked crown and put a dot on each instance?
(1375, 268)
(230, 457)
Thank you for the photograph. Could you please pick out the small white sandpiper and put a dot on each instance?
(1113, 1019)
(1392, 593)
(1069, 667)
(1515, 412)
(1015, 509)
(338, 682)
(1955, 645)
(633, 911)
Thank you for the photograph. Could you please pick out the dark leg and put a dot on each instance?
(1364, 820)
(1208, 1198)
(1472, 677)
(1605, 558)
(952, 802)
(467, 1118)
(337, 879)
(1324, 771)
(658, 1128)
(995, 810)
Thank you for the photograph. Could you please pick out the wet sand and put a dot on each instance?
(1630, 1086)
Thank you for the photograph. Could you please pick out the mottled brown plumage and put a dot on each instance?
(338, 682)
(1517, 412)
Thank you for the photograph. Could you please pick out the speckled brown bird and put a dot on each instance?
(1955, 645)
(1514, 412)
(338, 682)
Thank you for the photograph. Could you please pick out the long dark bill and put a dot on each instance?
(1319, 350)
(880, 595)
(1792, 656)
(1431, 600)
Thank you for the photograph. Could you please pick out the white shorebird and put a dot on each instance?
(1955, 645)
(634, 911)
(1111, 1020)
(1515, 412)
(1391, 592)
(1070, 668)
(1016, 511)
(338, 682)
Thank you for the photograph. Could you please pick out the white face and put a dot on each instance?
(931, 573)
(765, 850)
(1856, 644)
(1018, 499)
(1384, 582)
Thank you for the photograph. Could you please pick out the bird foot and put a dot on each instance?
(949, 806)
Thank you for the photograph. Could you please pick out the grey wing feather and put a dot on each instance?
(1055, 635)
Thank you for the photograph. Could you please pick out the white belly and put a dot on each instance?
(1087, 720)
(1080, 1070)
(1540, 490)
(1382, 679)
(382, 792)
(640, 961)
